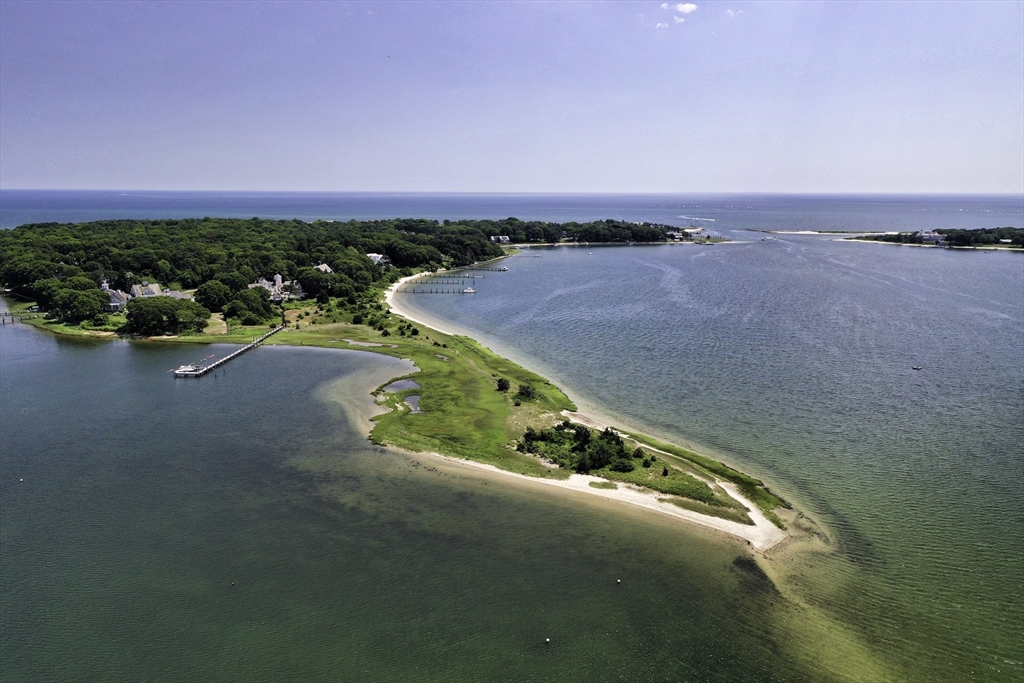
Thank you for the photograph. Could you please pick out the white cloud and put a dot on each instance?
(661, 24)
(732, 14)
(685, 7)
(679, 20)
(664, 5)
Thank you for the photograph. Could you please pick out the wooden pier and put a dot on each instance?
(433, 290)
(9, 316)
(193, 370)
(447, 281)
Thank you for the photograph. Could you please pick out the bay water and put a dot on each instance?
(145, 498)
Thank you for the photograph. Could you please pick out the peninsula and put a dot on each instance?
(225, 284)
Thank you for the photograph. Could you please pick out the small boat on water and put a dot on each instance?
(469, 290)
(190, 370)
(917, 367)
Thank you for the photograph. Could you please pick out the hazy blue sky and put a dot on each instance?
(522, 96)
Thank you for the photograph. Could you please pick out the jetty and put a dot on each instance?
(193, 370)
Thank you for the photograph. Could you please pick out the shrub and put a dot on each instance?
(526, 391)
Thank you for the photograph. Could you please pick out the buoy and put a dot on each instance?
(618, 580)
(547, 641)
(21, 480)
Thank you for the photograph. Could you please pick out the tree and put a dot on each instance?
(164, 315)
(526, 391)
(74, 305)
(214, 295)
(504, 384)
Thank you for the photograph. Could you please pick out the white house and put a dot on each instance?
(118, 299)
(280, 289)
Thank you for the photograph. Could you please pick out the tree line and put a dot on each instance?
(956, 237)
(61, 265)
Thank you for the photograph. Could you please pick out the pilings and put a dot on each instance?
(200, 371)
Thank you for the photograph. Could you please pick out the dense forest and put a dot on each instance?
(958, 238)
(62, 265)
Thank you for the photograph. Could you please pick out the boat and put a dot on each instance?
(190, 370)
(469, 290)
(917, 367)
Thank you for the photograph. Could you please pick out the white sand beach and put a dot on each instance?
(763, 535)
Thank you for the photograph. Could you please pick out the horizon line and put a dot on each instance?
(530, 193)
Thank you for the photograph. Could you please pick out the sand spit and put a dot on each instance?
(763, 535)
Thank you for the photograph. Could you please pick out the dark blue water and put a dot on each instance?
(792, 212)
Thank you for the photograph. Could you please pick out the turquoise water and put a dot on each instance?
(145, 498)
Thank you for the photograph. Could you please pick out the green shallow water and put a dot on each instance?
(238, 527)
(791, 357)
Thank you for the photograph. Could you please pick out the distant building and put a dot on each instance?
(324, 268)
(280, 289)
(930, 236)
(502, 239)
(379, 260)
(118, 299)
(146, 290)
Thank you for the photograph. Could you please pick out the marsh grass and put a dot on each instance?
(461, 413)
(753, 489)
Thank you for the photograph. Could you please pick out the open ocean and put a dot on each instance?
(789, 355)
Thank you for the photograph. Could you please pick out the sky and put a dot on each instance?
(630, 96)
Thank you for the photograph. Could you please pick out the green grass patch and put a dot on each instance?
(752, 488)
(731, 514)
(604, 485)
(462, 412)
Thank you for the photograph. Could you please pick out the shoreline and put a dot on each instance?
(763, 535)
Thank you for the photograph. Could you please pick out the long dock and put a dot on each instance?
(467, 290)
(193, 370)
(448, 281)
